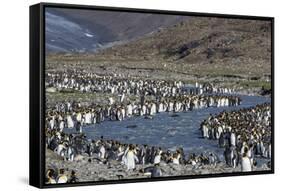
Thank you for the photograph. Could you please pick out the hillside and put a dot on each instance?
(204, 41)
(233, 52)
(78, 30)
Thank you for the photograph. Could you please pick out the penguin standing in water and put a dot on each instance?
(205, 131)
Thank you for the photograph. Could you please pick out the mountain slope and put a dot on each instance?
(204, 40)
(76, 30)
(198, 46)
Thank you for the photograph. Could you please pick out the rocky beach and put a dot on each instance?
(96, 170)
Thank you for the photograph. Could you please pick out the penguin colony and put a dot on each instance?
(242, 133)
(83, 81)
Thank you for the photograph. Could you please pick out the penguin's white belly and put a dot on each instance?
(130, 161)
(70, 123)
(246, 165)
(88, 118)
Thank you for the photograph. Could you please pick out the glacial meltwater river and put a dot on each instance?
(166, 131)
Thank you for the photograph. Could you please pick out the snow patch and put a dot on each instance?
(89, 35)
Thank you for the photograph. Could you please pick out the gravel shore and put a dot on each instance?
(97, 170)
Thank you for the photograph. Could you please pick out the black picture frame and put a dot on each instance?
(37, 93)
